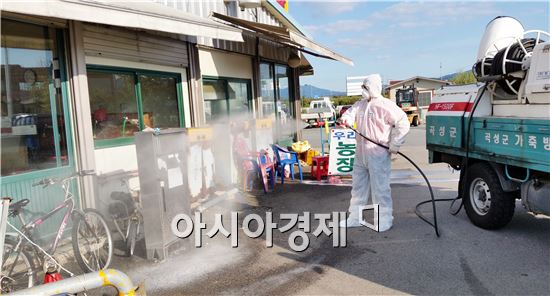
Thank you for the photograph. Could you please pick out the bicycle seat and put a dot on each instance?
(18, 205)
(121, 196)
(125, 198)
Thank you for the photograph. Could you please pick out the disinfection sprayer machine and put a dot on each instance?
(497, 132)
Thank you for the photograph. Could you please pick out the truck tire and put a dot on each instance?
(415, 121)
(486, 204)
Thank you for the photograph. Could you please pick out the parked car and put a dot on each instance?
(319, 111)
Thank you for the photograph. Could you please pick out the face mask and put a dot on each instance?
(366, 95)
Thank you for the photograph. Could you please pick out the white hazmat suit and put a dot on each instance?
(384, 122)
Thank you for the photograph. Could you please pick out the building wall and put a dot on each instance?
(422, 85)
(224, 64)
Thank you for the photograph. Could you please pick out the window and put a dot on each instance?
(225, 97)
(124, 101)
(424, 98)
(267, 88)
(32, 115)
(277, 99)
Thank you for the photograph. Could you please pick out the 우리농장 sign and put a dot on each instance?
(342, 152)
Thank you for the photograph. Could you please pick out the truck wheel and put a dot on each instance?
(415, 121)
(486, 204)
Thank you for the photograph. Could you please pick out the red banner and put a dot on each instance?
(451, 106)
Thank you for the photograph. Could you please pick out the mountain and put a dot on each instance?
(310, 91)
(448, 76)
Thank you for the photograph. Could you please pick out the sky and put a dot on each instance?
(400, 40)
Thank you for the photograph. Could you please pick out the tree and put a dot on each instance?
(464, 77)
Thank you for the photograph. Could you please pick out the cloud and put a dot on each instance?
(332, 8)
(410, 15)
(382, 28)
(340, 26)
(405, 15)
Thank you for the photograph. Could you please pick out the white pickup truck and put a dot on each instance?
(319, 111)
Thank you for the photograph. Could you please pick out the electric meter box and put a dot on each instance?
(162, 167)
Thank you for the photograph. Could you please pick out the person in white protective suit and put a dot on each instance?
(384, 122)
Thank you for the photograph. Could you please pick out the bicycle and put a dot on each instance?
(91, 240)
(127, 218)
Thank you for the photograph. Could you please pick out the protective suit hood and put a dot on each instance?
(374, 84)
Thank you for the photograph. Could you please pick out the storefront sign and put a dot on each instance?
(342, 152)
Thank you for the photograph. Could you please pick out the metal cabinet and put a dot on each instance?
(162, 165)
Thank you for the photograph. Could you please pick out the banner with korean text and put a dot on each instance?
(342, 152)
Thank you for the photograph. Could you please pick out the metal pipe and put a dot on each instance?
(527, 175)
(84, 282)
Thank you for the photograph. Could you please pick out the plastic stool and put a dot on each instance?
(319, 167)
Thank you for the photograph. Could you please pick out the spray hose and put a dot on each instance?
(432, 200)
(464, 173)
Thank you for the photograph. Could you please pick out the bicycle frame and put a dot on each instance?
(68, 203)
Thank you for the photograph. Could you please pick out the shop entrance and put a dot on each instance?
(35, 123)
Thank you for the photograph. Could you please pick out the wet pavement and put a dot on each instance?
(407, 259)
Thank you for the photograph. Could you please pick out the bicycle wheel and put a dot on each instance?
(92, 242)
(17, 268)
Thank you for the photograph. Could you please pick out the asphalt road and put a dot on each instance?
(408, 259)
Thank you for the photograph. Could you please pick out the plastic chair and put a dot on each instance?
(246, 162)
(284, 158)
(319, 167)
(266, 168)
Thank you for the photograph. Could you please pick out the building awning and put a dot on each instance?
(287, 37)
(140, 15)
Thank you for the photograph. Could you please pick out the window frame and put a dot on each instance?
(226, 81)
(123, 141)
(61, 49)
(277, 95)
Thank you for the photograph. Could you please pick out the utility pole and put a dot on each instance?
(440, 70)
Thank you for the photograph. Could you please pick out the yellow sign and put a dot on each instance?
(264, 123)
(199, 134)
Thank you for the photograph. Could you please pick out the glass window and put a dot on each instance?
(124, 102)
(277, 100)
(284, 109)
(160, 101)
(113, 105)
(225, 97)
(215, 99)
(32, 115)
(238, 94)
(424, 99)
(267, 89)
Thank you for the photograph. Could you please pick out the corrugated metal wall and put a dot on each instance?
(260, 15)
(131, 45)
(204, 7)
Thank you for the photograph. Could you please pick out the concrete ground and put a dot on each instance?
(408, 259)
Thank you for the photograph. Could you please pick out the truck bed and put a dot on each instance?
(516, 141)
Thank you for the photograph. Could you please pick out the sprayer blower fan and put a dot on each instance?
(510, 60)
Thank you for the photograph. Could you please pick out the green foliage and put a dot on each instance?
(465, 77)
(336, 101)
(345, 100)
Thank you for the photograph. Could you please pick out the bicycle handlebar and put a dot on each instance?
(51, 181)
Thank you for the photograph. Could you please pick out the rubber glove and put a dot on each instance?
(393, 149)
